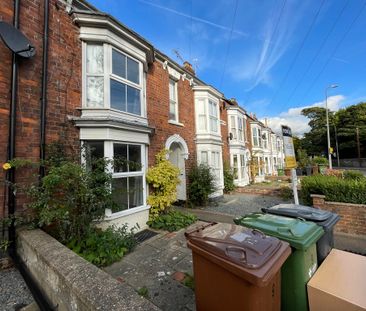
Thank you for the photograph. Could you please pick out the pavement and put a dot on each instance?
(156, 268)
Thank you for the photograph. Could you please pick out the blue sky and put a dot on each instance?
(273, 56)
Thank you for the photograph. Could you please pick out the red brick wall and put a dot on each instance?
(353, 216)
(64, 83)
(157, 90)
(224, 133)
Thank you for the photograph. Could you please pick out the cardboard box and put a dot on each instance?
(339, 283)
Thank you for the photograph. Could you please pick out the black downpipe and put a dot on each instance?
(42, 155)
(12, 128)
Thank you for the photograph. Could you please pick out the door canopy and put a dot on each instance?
(179, 140)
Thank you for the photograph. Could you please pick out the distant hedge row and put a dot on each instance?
(335, 189)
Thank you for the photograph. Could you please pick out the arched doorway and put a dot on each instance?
(177, 156)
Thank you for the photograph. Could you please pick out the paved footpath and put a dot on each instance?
(154, 265)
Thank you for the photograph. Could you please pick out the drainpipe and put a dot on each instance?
(42, 146)
(12, 127)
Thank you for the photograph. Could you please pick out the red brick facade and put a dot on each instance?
(353, 216)
(157, 91)
(64, 82)
(224, 133)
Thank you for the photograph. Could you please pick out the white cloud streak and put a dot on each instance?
(299, 123)
(197, 19)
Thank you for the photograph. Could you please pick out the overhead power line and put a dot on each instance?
(336, 48)
(298, 52)
(318, 51)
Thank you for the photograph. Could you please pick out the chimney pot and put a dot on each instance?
(188, 67)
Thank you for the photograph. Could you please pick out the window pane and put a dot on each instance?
(172, 94)
(95, 92)
(172, 112)
(95, 149)
(133, 100)
(133, 71)
(235, 166)
(213, 124)
(135, 190)
(94, 59)
(118, 64)
(134, 158)
(120, 157)
(120, 194)
(118, 95)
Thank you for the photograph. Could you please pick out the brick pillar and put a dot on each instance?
(318, 200)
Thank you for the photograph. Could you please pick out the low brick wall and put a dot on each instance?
(69, 281)
(353, 216)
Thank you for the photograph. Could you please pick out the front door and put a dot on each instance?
(176, 157)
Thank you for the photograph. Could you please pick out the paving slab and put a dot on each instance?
(151, 267)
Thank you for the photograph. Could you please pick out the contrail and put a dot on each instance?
(194, 18)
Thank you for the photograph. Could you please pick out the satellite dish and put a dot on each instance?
(16, 41)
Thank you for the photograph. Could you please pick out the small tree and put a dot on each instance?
(201, 184)
(163, 179)
(228, 178)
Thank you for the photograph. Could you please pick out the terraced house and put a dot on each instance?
(95, 82)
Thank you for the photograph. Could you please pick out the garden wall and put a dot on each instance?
(353, 216)
(71, 283)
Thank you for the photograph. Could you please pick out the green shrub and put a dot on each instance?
(335, 189)
(228, 179)
(286, 193)
(71, 197)
(320, 161)
(172, 221)
(201, 184)
(353, 175)
(102, 248)
(163, 178)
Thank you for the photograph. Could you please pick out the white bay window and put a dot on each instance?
(113, 80)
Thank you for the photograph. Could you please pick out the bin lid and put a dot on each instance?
(299, 233)
(250, 251)
(323, 218)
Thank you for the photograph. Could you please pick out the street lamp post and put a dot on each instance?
(332, 86)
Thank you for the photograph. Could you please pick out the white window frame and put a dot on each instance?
(214, 118)
(242, 165)
(240, 128)
(174, 102)
(255, 136)
(233, 127)
(108, 153)
(108, 75)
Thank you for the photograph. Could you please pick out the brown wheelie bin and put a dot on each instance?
(236, 268)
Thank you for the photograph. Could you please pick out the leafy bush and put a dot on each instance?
(335, 189)
(172, 221)
(163, 179)
(228, 179)
(353, 175)
(201, 184)
(286, 193)
(333, 172)
(71, 197)
(102, 248)
(320, 161)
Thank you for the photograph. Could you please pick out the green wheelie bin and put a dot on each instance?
(301, 265)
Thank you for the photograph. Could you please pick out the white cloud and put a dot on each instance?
(298, 123)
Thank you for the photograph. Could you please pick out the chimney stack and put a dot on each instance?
(188, 67)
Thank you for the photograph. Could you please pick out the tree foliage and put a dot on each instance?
(343, 123)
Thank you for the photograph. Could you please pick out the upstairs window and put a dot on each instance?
(255, 137)
(213, 116)
(113, 79)
(94, 75)
(233, 127)
(265, 141)
(125, 88)
(240, 129)
(173, 101)
(202, 126)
